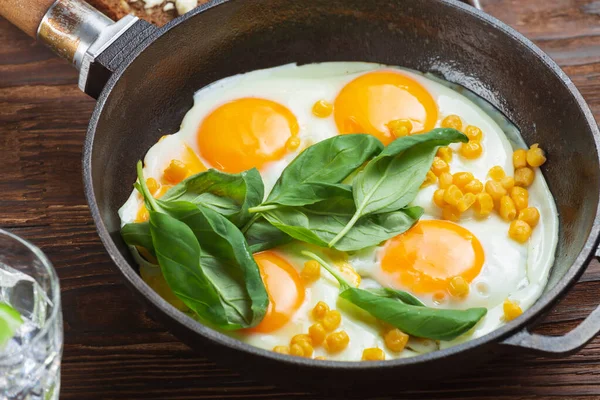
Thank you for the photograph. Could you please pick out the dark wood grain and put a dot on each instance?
(113, 350)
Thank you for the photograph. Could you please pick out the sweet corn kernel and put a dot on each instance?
(176, 172)
(317, 333)
(307, 348)
(508, 211)
(524, 177)
(531, 215)
(292, 143)
(445, 179)
(320, 310)
(475, 187)
(322, 109)
(508, 182)
(535, 156)
(438, 198)
(439, 166)
(520, 196)
(430, 179)
(452, 195)
(519, 230)
(142, 215)
(458, 286)
(461, 179)
(445, 153)
(450, 213)
(395, 340)
(495, 189)
(320, 358)
(373, 354)
(311, 271)
(153, 186)
(511, 310)
(473, 133)
(296, 350)
(337, 341)
(301, 337)
(484, 204)
(471, 150)
(452, 121)
(332, 320)
(281, 349)
(519, 158)
(400, 127)
(465, 202)
(496, 173)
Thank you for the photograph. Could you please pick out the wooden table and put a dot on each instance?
(113, 350)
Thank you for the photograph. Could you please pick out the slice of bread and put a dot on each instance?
(158, 12)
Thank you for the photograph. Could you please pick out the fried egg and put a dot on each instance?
(264, 119)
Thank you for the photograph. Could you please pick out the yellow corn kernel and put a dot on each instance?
(439, 166)
(484, 204)
(332, 320)
(337, 341)
(520, 196)
(445, 179)
(400, 127)
(320, 358)
(471, 150)
(320, 310)
(311, 271)
(511, 310)
(438, 198)
(473, 133)
(496, 173)
(458, 286)
(301, 337)
(508, 211)
(445, 153)
(465, 202)
(292, 143)
(535, 156)
(176, 172)
(475, 187)
(281, 349)
(452, 121)
(395, 340)
(142, 215)
(430, 179)
(452, 195)
(531, 215)
(307, 348)
(519, 230)
(524, 177)
(495, 189)
(317, 333)
(461, 179)
(450, 213)
(153, 186)
(519, 158)
(508, 182)
(305, 342)
(296, 350)
(322, 109)
(373, 354)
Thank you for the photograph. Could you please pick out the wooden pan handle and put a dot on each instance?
(25, 14)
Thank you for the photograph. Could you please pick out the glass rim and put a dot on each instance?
(54, 285)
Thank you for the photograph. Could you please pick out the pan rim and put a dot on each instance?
(541, 305)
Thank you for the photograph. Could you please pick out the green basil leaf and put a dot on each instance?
(228, 194)
(10, 321)
(138, 234)
(316, 173)
(401, 295)
(263, 236)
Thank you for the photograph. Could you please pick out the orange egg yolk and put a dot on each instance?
(284, 287)
(246, 133)
(368, 103)
(426, 257)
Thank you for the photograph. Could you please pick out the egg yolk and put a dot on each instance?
(142, 214)
(426, 257)
(246, 133)
(284, 287)
(371, 101)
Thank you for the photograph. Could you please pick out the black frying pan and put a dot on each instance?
(144, 78)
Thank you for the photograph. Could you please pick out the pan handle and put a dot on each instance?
(559, 345)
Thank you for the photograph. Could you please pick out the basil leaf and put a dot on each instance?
(138, 234)
(10, 321)
(226, 261)
(391, 180)
(400, 309)
(228, 194)
(316, 173)
(263, 236)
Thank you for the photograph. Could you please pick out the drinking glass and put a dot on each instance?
(30, 361)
